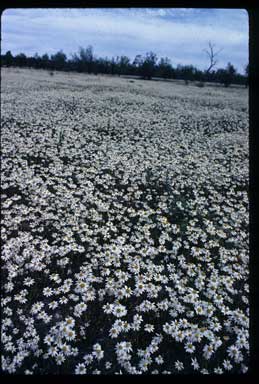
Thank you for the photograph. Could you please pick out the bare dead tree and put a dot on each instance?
(212, 56)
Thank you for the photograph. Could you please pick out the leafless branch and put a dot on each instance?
(212, 56)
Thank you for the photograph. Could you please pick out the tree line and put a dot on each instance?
(147, 66)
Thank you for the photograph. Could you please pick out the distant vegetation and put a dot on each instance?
(147, 66)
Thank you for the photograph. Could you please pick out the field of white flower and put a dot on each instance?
(125, 242)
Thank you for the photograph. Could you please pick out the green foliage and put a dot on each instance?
(59, 60)
(146, 66)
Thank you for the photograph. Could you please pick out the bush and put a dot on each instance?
(200, 84)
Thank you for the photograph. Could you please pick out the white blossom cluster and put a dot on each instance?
(125, 242)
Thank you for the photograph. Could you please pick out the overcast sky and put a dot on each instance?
(180, 34)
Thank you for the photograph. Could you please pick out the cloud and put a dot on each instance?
(180, 34)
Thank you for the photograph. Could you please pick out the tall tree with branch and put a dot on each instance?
(212, 57)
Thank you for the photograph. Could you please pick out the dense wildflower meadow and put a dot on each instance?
(125, 241)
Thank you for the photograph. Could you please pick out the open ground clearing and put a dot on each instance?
(124, 225)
